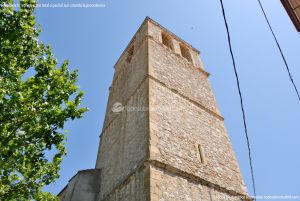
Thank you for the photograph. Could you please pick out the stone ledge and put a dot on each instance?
(196, 179)
(188, 99)
(170, 169)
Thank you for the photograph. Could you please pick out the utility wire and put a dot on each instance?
(241, 99)
(279, 48)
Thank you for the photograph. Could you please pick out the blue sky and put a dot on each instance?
(92, 39)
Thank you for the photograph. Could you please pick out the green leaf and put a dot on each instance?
(33, 111)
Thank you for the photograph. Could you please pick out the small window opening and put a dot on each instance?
(130, 54)
(185, 52)
(201, 154)
(167, 40)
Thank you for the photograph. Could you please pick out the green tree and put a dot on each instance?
(33, 109)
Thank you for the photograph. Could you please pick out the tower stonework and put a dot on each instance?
(163, 137)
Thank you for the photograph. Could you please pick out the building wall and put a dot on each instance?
(169, 67)
(293, 9)
(176, 131)
(125, 136)
(167, 186)
(135, 188)
(184, 115)
(128, 75)
(83, 186)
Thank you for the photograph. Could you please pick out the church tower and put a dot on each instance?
(163, 138)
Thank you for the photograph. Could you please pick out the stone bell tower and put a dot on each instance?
(163, 138)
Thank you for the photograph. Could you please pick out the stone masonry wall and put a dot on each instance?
(125, 136)
(128, 75)
(180, 74)
(124, 144)
(176, 128)
(166, 186)
(184, 115)
(135, 188)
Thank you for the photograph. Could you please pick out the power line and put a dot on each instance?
(279, 48)
(241, 98)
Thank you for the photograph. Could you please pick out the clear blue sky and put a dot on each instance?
(94, 38)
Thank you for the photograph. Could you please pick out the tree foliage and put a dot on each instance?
(33, 108)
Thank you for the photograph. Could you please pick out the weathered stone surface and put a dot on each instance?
(83, 186)
(124, 143)
(179, 74)
(167, 140)
(168, 186)
(135, 187)
(179, 126)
